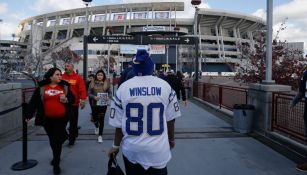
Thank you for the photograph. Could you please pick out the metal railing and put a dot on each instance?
(220, 95)
(286, 121)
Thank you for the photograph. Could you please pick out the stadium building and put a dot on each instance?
(220, 34)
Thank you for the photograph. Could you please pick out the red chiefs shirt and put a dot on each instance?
(52, 105)
(77, 86)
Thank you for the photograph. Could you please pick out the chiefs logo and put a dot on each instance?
(72, 82)
(53, 92)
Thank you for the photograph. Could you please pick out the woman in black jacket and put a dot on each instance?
(52, 103)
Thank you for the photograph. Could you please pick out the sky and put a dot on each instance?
(292, 11)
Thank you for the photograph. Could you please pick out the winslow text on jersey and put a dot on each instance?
(145, 91)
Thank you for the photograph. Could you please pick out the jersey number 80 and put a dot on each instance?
(138, 119)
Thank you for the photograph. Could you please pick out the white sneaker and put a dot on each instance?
(96, 131)
(100, 139)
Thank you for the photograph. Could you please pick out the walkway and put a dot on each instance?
(205, 145)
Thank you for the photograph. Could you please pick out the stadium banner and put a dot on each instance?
(65, 21)
(119, 17)
(99, 18)
(153, 28)
(140, 15)
(161, 15)
(131, 49)
(156, 49)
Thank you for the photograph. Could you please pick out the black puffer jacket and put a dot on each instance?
(36, 103)
(177, 85)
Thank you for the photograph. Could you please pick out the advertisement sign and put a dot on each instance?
(162, 15)
(119, 17)
(141, 15)
(153, 28)
(157, 49)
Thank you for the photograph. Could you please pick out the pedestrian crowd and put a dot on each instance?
(142, 110)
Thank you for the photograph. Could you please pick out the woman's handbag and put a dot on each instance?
(114, 168)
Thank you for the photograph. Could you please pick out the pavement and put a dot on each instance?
(205, 145)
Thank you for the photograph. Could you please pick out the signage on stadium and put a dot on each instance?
(153, 28)
(141, 40)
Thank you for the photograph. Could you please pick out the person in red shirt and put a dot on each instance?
(51, 102)
(78, 89)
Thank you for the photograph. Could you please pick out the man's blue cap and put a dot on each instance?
(142, 63)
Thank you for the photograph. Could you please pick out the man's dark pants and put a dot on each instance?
(73, 124)
(137, 169)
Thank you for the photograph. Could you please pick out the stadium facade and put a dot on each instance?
(220, 33)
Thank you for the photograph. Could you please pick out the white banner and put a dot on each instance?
(162, 15)
(99, 18)
(141, 15)
(157, 49)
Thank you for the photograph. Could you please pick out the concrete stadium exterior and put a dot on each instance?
(220, 32)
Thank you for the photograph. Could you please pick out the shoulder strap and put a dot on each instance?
(41, 91)
(66, 89)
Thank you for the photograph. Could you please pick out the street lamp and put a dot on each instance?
(269, 25)
(196, 3)
(85, 36)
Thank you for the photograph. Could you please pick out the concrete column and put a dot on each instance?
(260, 95)
(218, 40)
(10, 107)
(222, 41)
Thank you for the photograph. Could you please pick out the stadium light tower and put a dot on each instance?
(85, 45)
(196, 3)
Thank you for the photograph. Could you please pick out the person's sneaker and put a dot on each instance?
(96, 131)
(302, 167)
(100, 139)
(56, 169)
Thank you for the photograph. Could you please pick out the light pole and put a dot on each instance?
(269, 33)
(0, 55)
(85, 45)
(196, 3)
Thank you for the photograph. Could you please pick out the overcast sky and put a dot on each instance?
(13, 11)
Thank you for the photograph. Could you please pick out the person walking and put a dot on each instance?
(78, 89)
(98, 92)
(177, 85)
(52, 102)
(143, 111)
(302, 93)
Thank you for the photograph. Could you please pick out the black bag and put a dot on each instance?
(114, 168)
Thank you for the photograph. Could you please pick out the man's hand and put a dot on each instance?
(171, 143)
(113, 152)
(96, 98)
(82, 104)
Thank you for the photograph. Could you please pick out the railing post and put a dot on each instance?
(220, 96)
(25, 163)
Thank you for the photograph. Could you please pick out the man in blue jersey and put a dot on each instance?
(143, 111)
